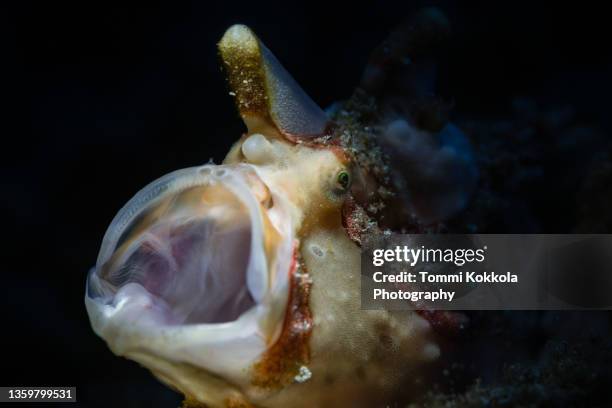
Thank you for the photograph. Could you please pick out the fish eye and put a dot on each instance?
(343, 180)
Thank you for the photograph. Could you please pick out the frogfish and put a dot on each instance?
(238, 284)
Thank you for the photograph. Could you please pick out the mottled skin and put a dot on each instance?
(357, 357)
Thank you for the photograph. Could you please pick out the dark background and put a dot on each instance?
(104, 97)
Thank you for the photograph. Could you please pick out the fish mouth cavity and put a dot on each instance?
(193, 248)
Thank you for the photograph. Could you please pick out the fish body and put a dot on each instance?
(238, 284)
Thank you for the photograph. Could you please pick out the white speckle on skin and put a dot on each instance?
(302, 326)
(317, 251)
(303, 375)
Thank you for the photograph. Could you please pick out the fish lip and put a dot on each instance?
(268, 293)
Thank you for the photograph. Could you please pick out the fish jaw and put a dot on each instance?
(172, 264)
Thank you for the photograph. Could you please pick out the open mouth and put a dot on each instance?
(195, 247)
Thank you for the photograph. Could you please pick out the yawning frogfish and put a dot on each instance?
(238, 284)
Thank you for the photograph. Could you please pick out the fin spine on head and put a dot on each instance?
(266, 95)
(240, 52)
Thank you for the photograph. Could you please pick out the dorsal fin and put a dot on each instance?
(266, 94)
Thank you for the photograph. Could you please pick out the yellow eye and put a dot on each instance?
(343, 180)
